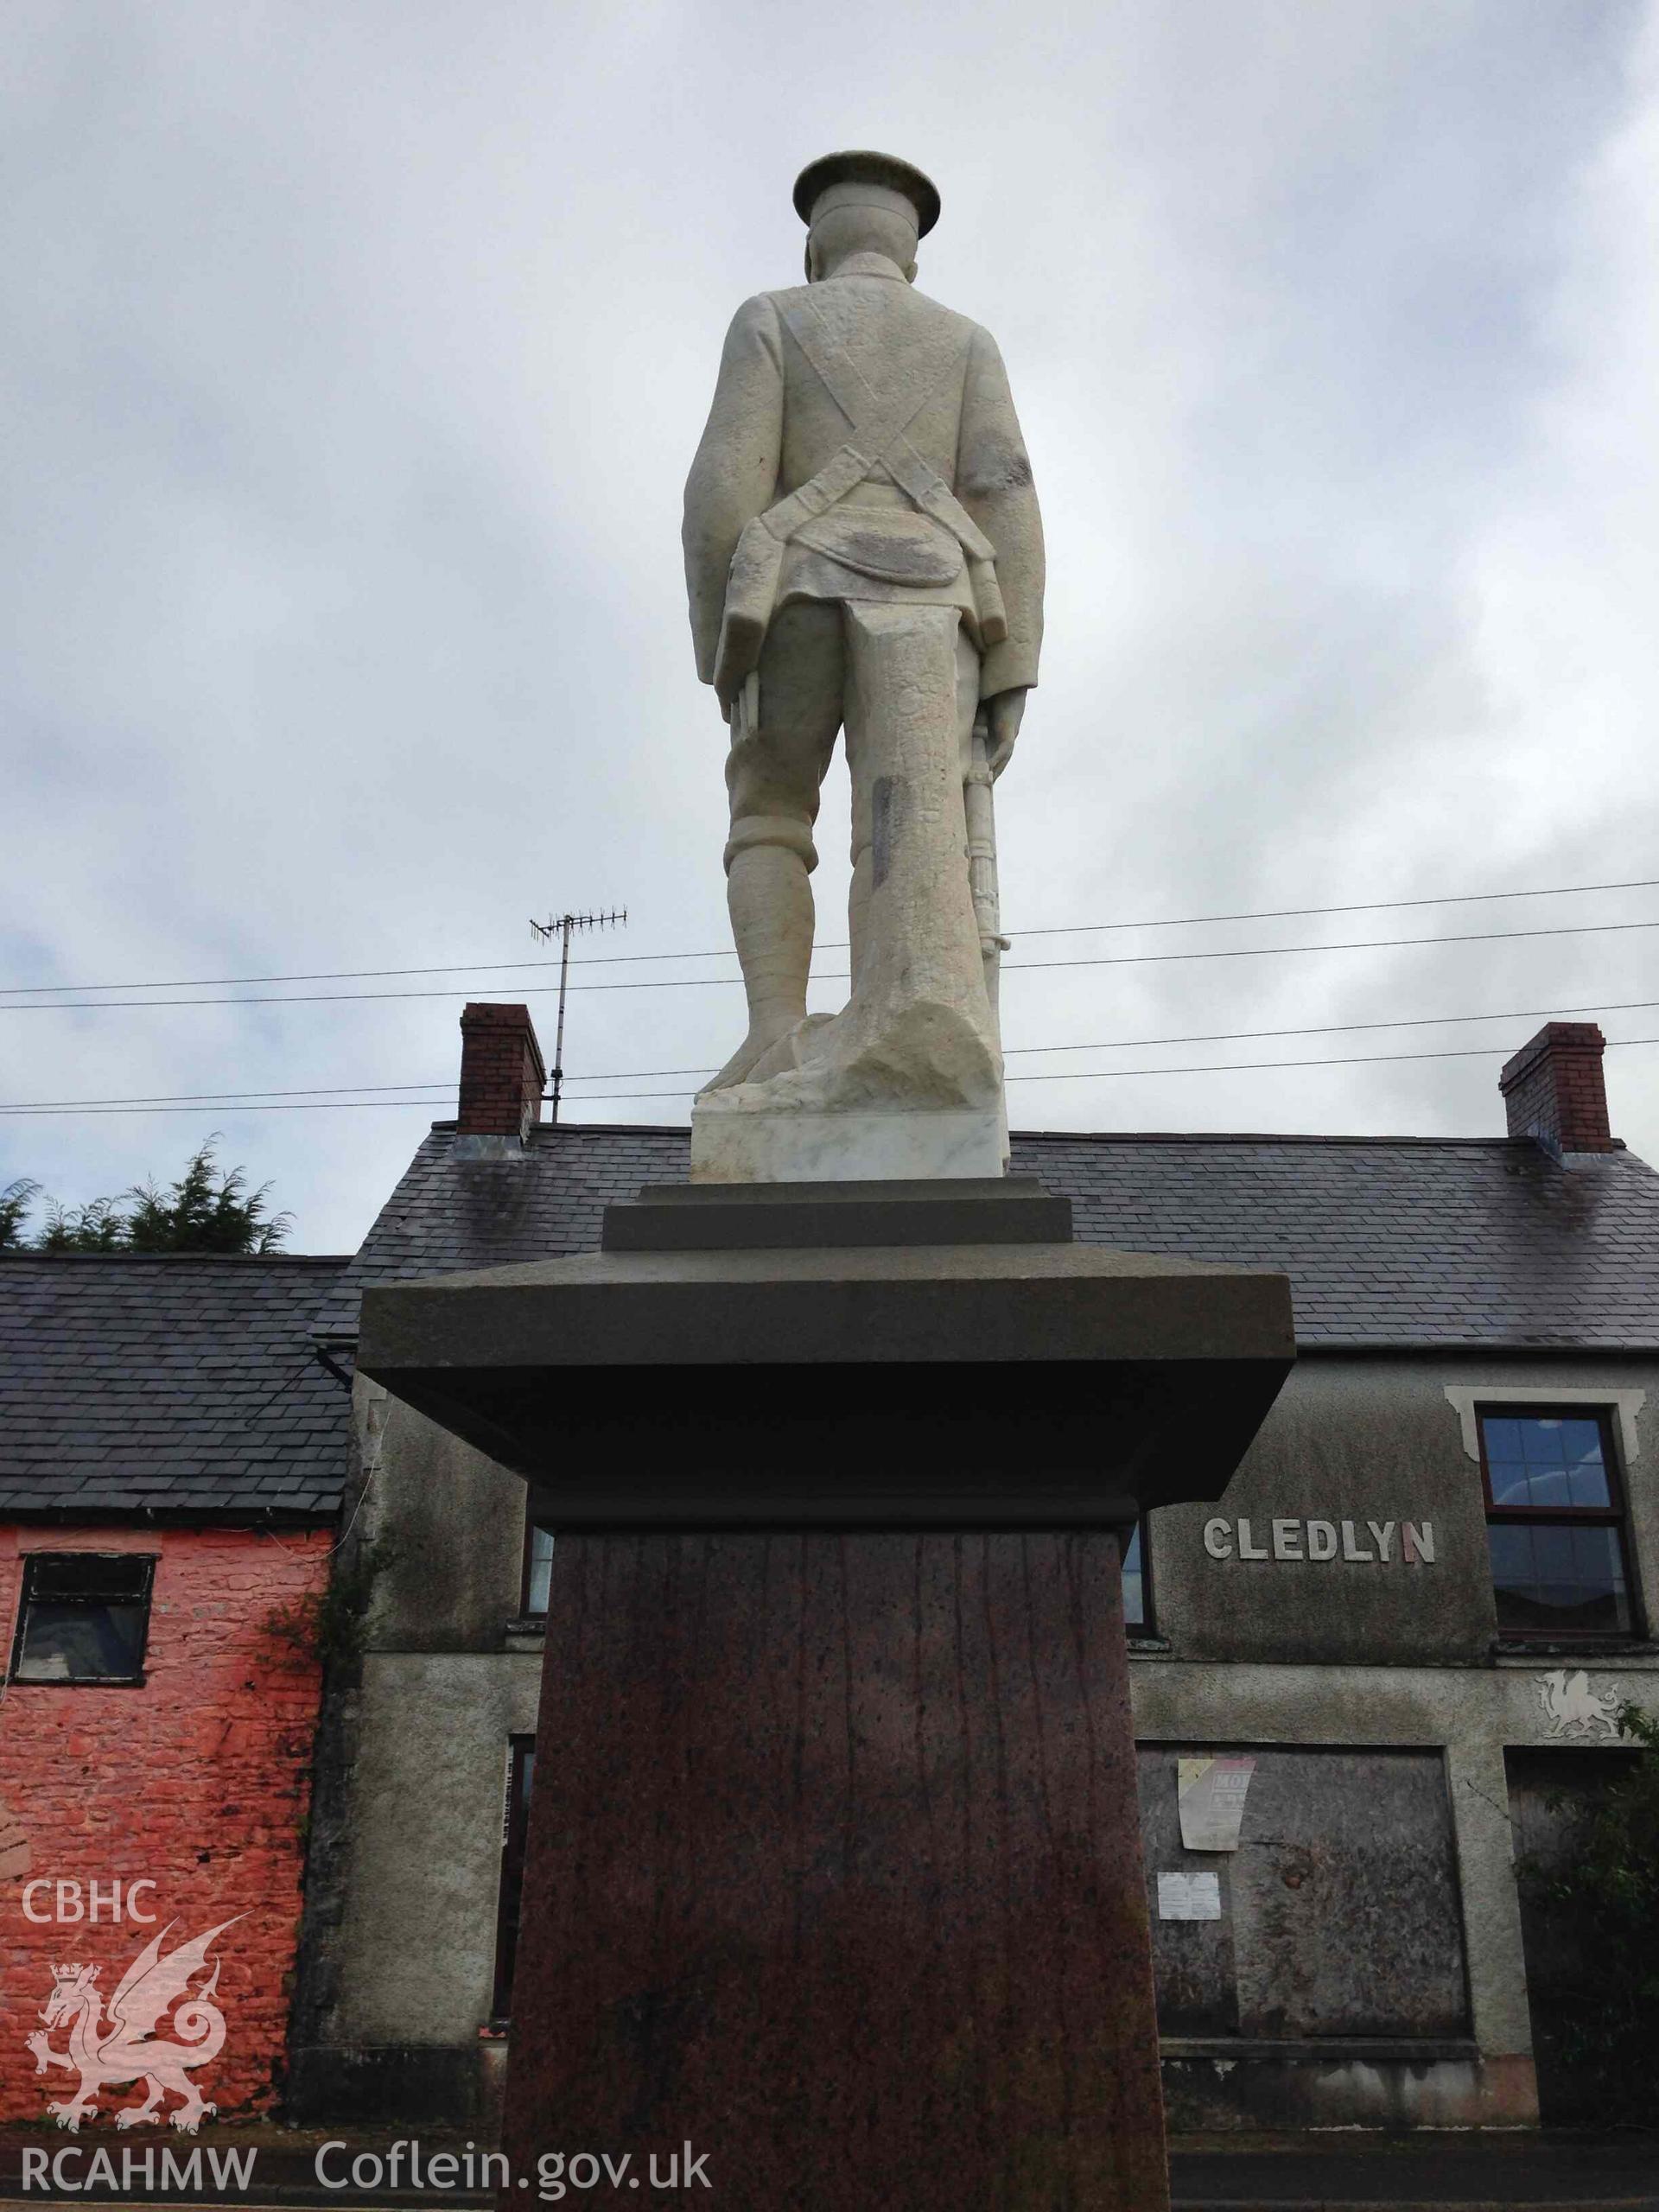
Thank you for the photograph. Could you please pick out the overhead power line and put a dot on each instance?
(301, 1106)
(608, 1097)
(435, 1087)
(234, 1097)
(1233, 1067)
(725, 951)
(838, 976)
(1201, 1037)
(1218, 1067)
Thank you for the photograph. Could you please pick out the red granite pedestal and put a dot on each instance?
(834, 1881)
(834, 1874)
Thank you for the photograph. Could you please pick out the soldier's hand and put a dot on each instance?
(1002, 717)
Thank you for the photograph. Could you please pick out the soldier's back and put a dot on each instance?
(899, 342)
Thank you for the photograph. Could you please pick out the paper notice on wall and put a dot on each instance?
(1211, 1793)
(1189, 1897)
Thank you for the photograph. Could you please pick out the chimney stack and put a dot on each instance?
(502, 1075)
(1553, 1089)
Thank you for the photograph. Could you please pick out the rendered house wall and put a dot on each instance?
(197, 1780)
(392, 2018)
(1377, 1438)
(1388, 1663)
(1261, 1654)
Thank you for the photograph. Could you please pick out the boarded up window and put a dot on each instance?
(1339, 1911)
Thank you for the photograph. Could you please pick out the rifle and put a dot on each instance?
(981, 810)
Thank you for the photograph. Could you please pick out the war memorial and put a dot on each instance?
(835, 1863)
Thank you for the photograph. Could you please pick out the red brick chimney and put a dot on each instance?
(502, 1075)
(1554, 1091)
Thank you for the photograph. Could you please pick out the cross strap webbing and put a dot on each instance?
(878, 437)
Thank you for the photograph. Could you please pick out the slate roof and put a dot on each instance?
(1390, 1243)
(191, 1384)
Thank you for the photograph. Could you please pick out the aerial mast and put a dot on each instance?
(561, 926)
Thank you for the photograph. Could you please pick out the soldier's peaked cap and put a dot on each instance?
(863, 166)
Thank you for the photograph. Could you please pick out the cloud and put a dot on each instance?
(359, 360)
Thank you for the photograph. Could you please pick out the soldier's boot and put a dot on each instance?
(769, 894)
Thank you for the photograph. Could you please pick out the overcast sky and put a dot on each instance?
(353, 358)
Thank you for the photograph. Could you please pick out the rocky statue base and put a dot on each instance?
(732, 1143)
(834, 1881)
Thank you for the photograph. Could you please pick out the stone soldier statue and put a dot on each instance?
(863, 551)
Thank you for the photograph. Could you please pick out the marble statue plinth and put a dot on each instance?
(735, 1142)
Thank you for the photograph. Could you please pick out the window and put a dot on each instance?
(538, 1569)
(1554, 1523)
(1137, 1583)
(515, 1828)
(84, 1617)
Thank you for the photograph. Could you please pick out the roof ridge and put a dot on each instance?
(196, 1259)
(558, 1130)
(1254, 1136)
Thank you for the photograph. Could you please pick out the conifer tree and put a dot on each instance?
(209, 1208)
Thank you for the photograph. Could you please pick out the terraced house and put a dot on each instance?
(1359, 1679)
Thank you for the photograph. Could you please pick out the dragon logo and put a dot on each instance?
(123, 2045)
(1573, 1707)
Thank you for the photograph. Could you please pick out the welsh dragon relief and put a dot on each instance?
(110, 2046)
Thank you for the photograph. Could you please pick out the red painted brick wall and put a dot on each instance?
(198, 1781)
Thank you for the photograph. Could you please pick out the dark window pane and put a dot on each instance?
(1503, 1438)
(1552, 1553)
(1134, 1605)
(1511, 1550)
(67, 1643)
(1541, 1611)
(1587, 1470)
(1541, 1443)
(1560, 1580)
(88, 1575)
(1598, 1557)
(1587, 1483)
(1556, 1464)
(1508, 1482)
(540, 1579)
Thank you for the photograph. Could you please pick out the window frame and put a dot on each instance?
(27, 1598)
(526, 1611)
(518, 1783)
(1614, 1515)
(1148, 1624)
